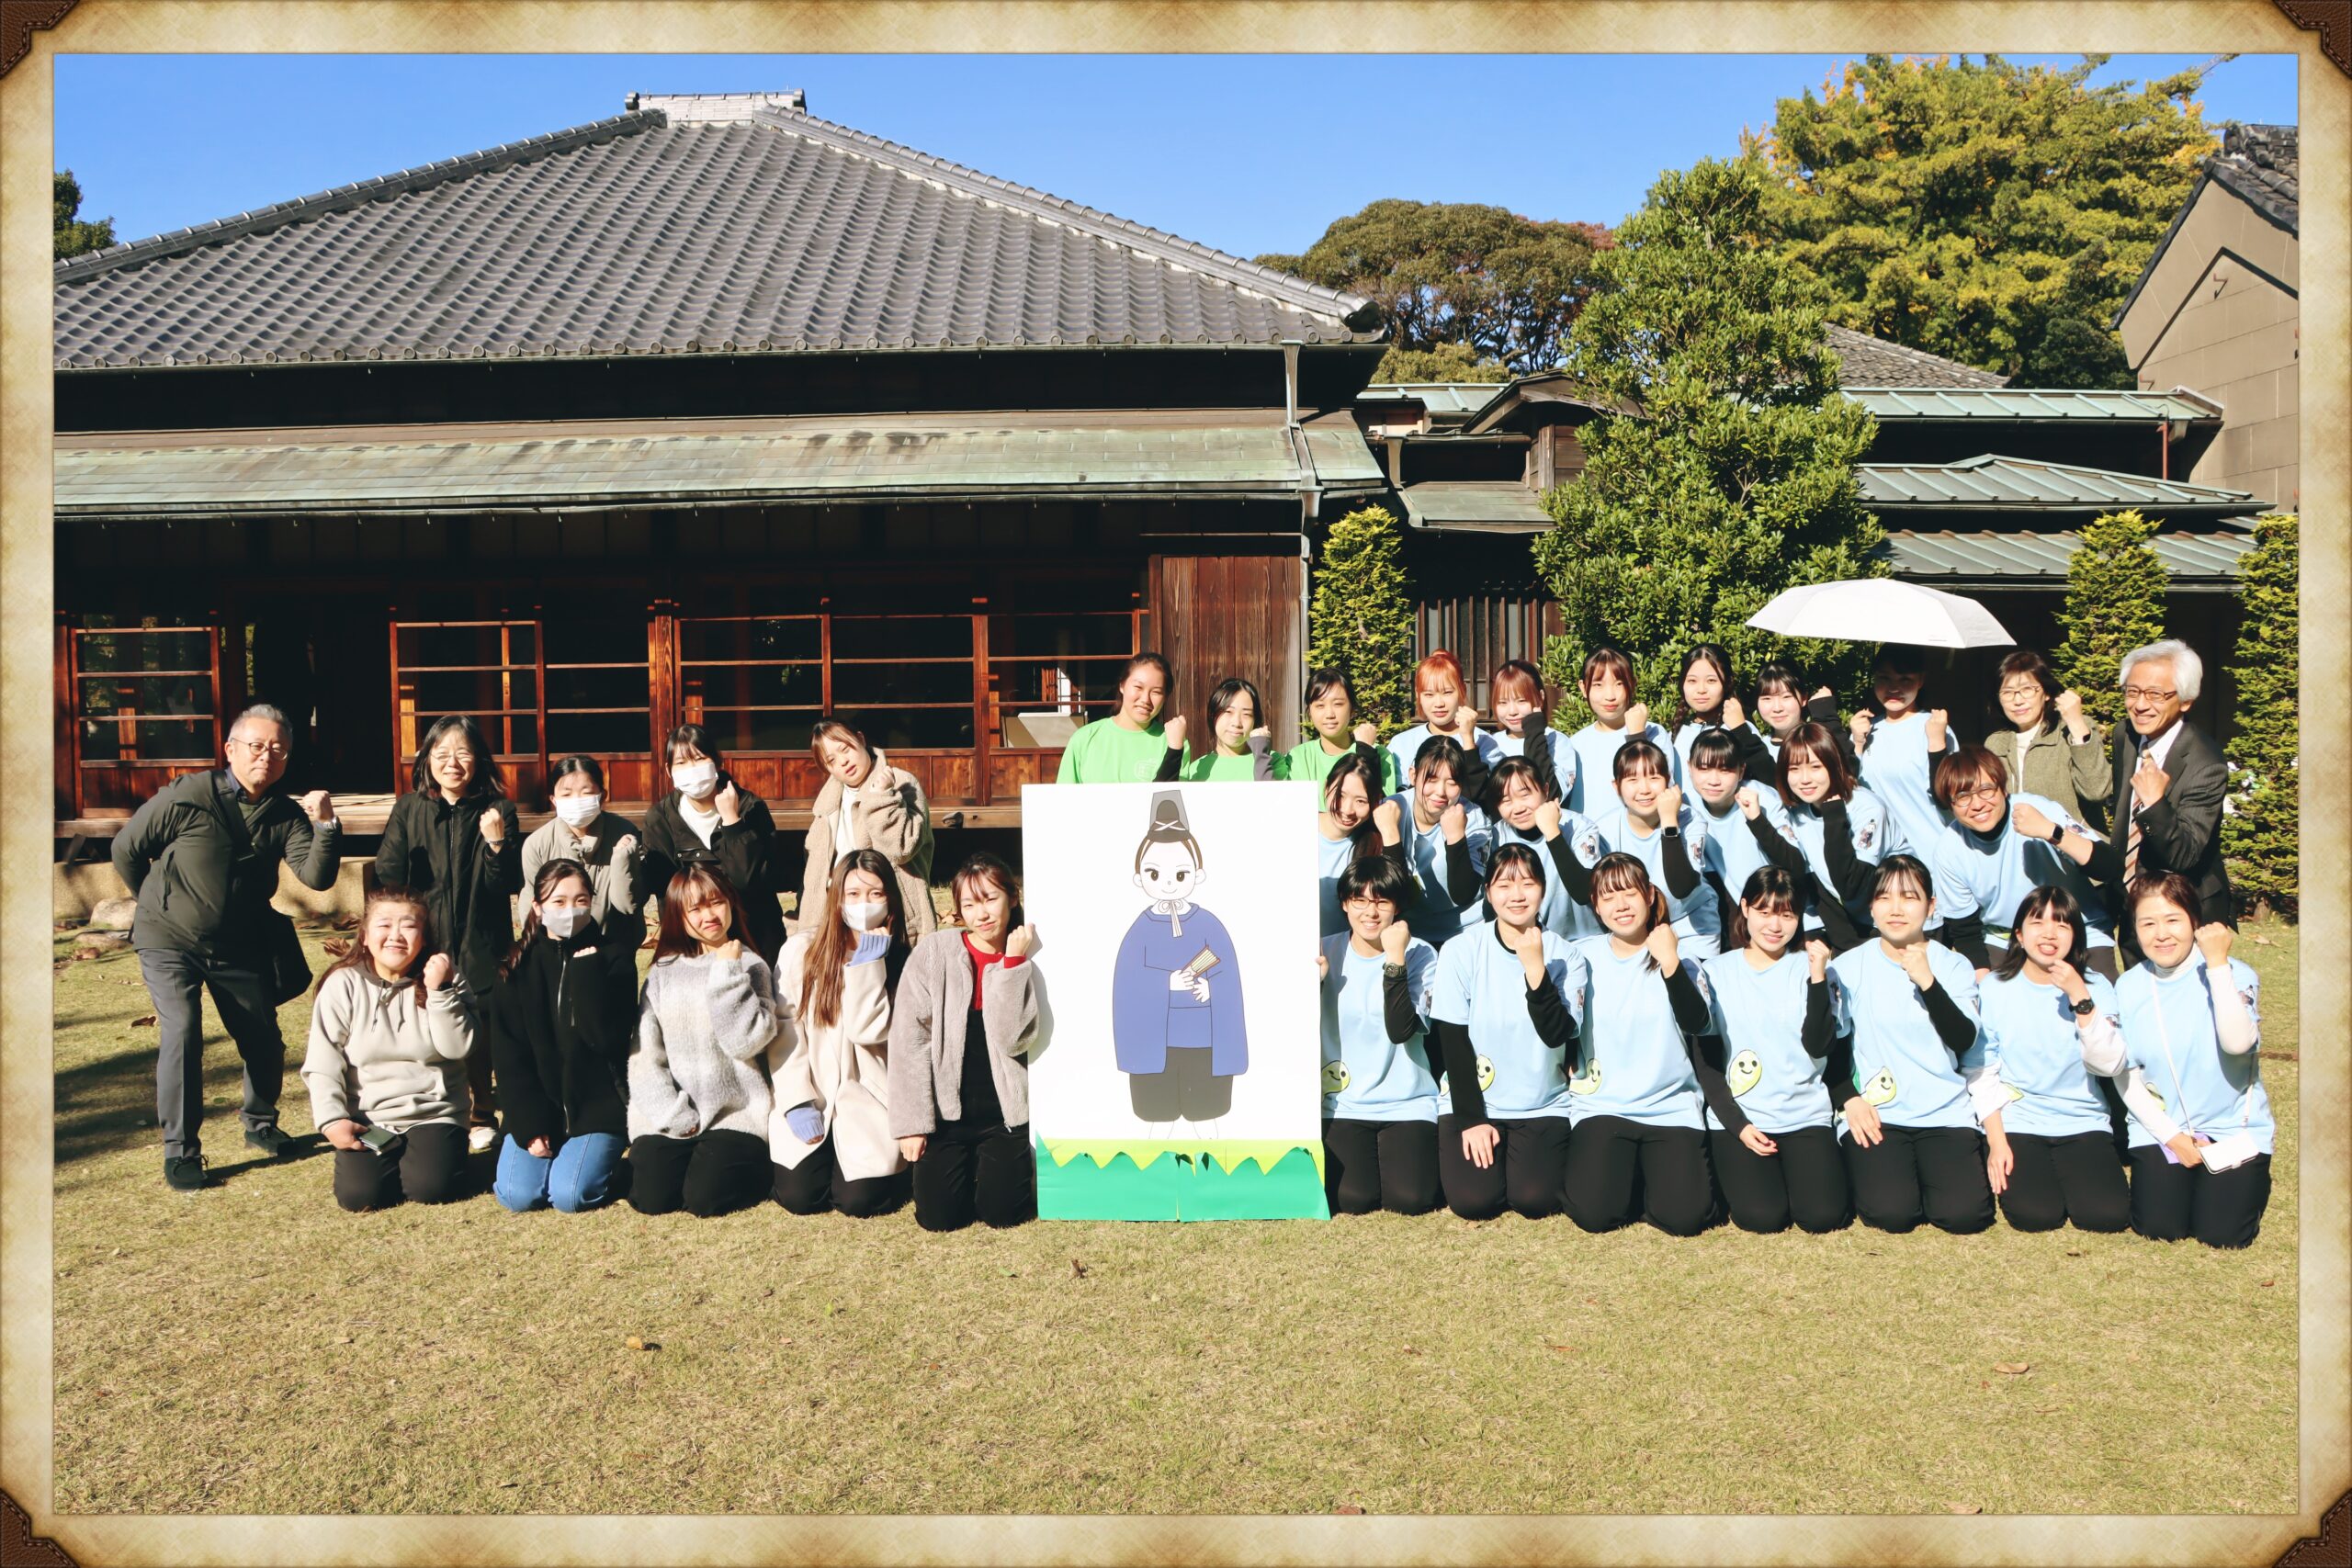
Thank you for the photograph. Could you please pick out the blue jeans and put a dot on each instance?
(580, 1176)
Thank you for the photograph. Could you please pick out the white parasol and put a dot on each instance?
(1881, 609)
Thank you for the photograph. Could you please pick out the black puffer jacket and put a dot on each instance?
(560, 1029)
(436, 849)
(749, 855)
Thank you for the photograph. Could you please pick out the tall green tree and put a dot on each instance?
(1360, 618)
(1446, 362)
(1737, 479)
(1994, 213)
(2115, 603)
(2262, 836)
(1504, 286)
(74, 237)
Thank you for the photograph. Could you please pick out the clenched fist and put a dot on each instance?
(1637, 719)
(730, 802)
(1366, 733)
(1733, 715)
(1664, 948)
(437, 970)
(1938, 727)
(1547, 819)
(1018, 941)
(1453, 822)
(319, 807)
(493, 827)
(1173, 731)
(1389, 818)
(1393, 938)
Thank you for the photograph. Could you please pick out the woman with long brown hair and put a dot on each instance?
(1842, 829)
(1348, 831)
(866, 803)
(828, 1128)
(707, 819)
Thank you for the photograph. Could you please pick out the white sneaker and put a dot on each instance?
(479, 1139)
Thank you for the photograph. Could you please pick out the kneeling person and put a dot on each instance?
(1379, 1097)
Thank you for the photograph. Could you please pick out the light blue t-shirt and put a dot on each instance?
(2033, 1039)
(1990, 876)
(2169, 1034)
(1404, 747)
(1564, 759)
(1559, 912)
(1900, 1063)
(1759, 1014)
(1729, 843)
(1896, 766)
(1596, 748)
(1698, 923)
(1634, 1063)
(1435, 914)
(1865, 824)
(1482, 985)
(1330, 860)
(1366, 1075)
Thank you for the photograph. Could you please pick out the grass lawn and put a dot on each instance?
(251, 1349)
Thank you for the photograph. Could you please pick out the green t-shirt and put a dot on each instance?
(1102, 752)
(1308, 761)
(1218, 768)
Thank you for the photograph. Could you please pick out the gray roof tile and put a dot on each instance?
(2018, 484)
(1867, 361)
(2262, 163)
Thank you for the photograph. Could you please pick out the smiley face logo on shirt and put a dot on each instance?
(1486, 1074)
(1589, 1082)
(1881, 1090)
(1747, 1070)
(1335, 1076)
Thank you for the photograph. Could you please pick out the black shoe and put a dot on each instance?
(184, 1173)
(270, 1141)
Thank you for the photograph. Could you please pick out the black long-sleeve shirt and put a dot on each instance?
(1953, 1027)
(1705, 1047)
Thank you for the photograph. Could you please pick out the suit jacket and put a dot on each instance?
(2181, 832)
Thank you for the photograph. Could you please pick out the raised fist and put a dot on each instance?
(1261, 736)
(1860, 727)
(1637, 719)
(2148, 782)
(493, 827)
(318, 805)
(1914, 960)
(1173, 731)
(1547, 819)
(2028, 819)
(2070, 708)
(729, 801)
(1453, 822)
(1733, 715)
(1389, 818)
(2214, 941)
(1366, 733)
(1393, 940)
(624, 846)
(731, 949)
(1669, 804)
(1816, 957)
(1018, 941)
(1664, 948)
(1751, 805)
(436, 971)
(1939, 727)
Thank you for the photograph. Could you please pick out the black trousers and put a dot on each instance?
(814, 1186)
(2074, 1178)
(425, 1165)
(712, 1173)
(177, 981)
(1619, 1171)
(1184, 1089)
(982, 1171)
(1531, 1159)
(1915, 1173)
(2219, 1208)
(1381, 1165)
(1805, 1182)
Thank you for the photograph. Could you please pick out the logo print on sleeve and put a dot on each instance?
(1335, 1076)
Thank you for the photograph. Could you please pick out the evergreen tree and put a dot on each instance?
(1361, 619)
(2115, 603)
(2262, 835)
(73, 236)
(1445, 362)
(1735, 479)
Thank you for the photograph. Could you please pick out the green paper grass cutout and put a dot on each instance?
(1220, 1179)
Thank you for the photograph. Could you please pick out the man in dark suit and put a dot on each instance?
(2169, 784)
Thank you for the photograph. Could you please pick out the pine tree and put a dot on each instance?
(2115, 603)
(1362, 617)
(2262, 835)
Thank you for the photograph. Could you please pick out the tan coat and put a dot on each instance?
(2076, 778)
(889, 815)
(843, 1069)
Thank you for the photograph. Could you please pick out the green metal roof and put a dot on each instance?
(2019, 404)
(2013, 484)
(1490, 506)
(785, 460)
(2206, 561)
(1463, 397)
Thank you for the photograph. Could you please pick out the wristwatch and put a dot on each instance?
(2057, 832)
(2085, 1008)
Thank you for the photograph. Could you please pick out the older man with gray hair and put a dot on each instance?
(201, 857)
(2169, 784)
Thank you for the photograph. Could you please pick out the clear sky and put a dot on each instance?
(1250, 154)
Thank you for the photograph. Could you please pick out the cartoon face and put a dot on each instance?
(1486, 1074)
(1168, 873)
(1588, 1084)
(1335, 1076)
(1747, 1070)
(1879, 1091)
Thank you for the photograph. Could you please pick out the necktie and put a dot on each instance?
(2131, 835)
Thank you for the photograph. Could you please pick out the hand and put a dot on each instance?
(1173, 731)
(1733, 715)
(730, 949)
(437, 970)
(1366, 733)
(1664, 948)
(1669, 804)
(1466, 726)
(1637, 719)
(1393, 941)
(493, 827)
(1816, 957)
(2070, 980)
(2070, 711)
(1018, 941)
(1998, 1163)
(539, 1149)
(2148, 782)
(2028, 820)
(729, 801)
(1322, 967)
(1547, 819)
(2214, 941)
(1751, 805)
(1453, 822)
(1757, 1141)
(1479, 1144)
(1822, 695)
(1261, 736)
(1861, 1119)
(1914, 960)
(1860, 727)
(624, 846)
(1389, 818)
(2185, 1147)
(319, 807)
(343, 1134)
(1939, 727)
(911, 1149)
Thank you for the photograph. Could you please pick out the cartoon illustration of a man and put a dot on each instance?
(1176, 1018)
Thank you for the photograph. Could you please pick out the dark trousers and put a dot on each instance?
(814, 1186)
(1619, 1171)
(178, 982)
(2074, 1178)
(712, 1173)
(1381, 1165)
(1530, 1159)
(1915, 1173)
(2221, 1209)
(425, 1165)
(975, 1171)
(1184, 1089)
(1805, 1182)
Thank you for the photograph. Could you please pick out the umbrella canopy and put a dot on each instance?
(1881, 609)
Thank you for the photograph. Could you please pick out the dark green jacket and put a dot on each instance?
(198, 890)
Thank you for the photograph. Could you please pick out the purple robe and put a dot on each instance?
(1146, 1018)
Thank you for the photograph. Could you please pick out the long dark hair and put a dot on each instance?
(1711, 653)
(552, 873)
(696, 883)
(1223, 698)
(361, 958)
(1355, 765)
(486, 780)
(829, 950)
(2048, 900)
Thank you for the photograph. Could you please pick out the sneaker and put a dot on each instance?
(184, 1173)
(479, 1139)
(270, 1140)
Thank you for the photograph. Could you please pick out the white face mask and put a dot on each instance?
(578, 810)
(696, 781)
(560, 923)
(865, 917)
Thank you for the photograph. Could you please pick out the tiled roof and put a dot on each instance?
(2038, 560)
(2014, 484)
(2002, 403)
(1867, 361)
(2260, 162)
(1490, 506)
(746, 460)
(715, 225)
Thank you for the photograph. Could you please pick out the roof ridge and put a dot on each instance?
(1990, 459)
(343, 197)
(1142, 237)
(1905, 348)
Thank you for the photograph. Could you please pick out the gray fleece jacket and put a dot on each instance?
(928, 1025)
(701, 1035)
(377, 1056)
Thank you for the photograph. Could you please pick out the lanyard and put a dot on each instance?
(2164, 1038)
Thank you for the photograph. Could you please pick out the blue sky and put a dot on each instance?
(1249, 153)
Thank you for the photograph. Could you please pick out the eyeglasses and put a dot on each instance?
(2147, 694)
(273, 749)
(2024, 691)
(1982, 792)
